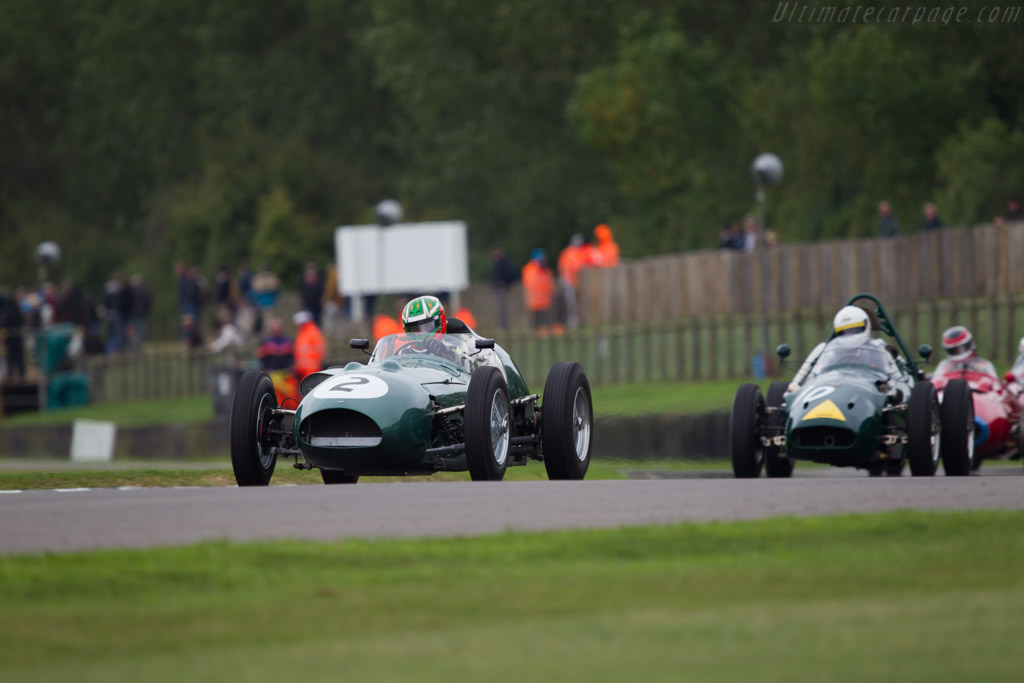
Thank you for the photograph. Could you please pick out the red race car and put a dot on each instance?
(997, 408)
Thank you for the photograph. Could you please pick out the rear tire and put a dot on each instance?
(924, 430)
(487, 425)
(251, 408)
(776, 464)
(338, 477)
(957, 429)
(567, 422)
(745, 422)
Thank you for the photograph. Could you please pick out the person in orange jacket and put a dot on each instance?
(538, 289)
(606, 246)
(310, 345)
(574, 258)
(383, 325)
(466, 316)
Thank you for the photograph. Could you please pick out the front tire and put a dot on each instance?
(251, 409)
(567, 422)
(338, 477)
(957, 429)
(776, 464)
(924, 430)
(488, 425)
(745, 422)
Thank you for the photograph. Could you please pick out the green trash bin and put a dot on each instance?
(67, 389)
(52, 347)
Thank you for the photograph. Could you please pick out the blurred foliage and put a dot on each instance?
(140, 132)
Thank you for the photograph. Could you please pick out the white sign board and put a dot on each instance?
(402, 258)
(92, 441)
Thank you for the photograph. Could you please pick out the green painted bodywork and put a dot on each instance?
(869, 399)
(405, 414)
(856, 395)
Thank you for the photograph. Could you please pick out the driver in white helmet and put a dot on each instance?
(1018, 365)
(851, 329)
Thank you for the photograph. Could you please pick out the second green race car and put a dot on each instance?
(857, 401)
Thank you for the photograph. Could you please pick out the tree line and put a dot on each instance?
(141, 132)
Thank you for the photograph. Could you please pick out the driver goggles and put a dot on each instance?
(853, 329)
(428, 325)
(960, 349)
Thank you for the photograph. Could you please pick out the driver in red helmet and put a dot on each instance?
(961, 353)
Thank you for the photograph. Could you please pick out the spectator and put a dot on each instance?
(888, 224)
(571, 261)
(383, 325)
(310, 346)
(538, 290)
(114, 298)
(503, 275)
(265, 287)
(222, 289)
(191, 333)
(1014, 213)
(931, 218)
(276, 352)
(138, 321)
(730, 237)
(229, 334)
(311, 291)
(11, 321)
(245, 281)
(606, 247)
(749, 234)
(333, 303)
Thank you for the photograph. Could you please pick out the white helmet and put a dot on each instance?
(851, 326)
(1020, 345)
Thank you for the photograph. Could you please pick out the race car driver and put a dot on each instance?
(851, 330)
(961, 353)
(425, 315)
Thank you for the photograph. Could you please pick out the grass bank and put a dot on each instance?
(897, 596)
(623, 399)
(61, 475)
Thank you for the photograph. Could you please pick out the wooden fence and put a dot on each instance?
(985, 261)
(707, 347)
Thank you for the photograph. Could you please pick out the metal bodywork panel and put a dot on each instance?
(840, 417)
(403, 398)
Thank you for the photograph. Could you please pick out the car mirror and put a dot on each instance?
(783, 350)
(485, 343)
(359, 343)
(925, 351)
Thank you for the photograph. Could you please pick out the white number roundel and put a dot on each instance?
(814, 394)
(351, 386)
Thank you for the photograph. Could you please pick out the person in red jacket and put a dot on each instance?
(606, 246)
(310, 345)
(538, 290)
(574, 258)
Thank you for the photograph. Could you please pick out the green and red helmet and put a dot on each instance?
(424, 314)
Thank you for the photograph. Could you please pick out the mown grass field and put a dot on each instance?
(896, 596)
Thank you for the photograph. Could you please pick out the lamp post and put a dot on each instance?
(766, 171)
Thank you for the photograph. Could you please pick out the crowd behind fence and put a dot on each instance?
(706, 347)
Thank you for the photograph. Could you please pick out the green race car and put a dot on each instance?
(423, 403)
(868, 406)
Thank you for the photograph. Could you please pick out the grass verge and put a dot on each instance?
(624, 399)
(896, 596)
(218, 473)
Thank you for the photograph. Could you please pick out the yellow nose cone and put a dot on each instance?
(826, 409)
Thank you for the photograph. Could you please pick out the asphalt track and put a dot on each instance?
(83, 519)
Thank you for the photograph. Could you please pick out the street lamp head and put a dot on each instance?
(766, 170)
(388, 212)
(48, 254)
